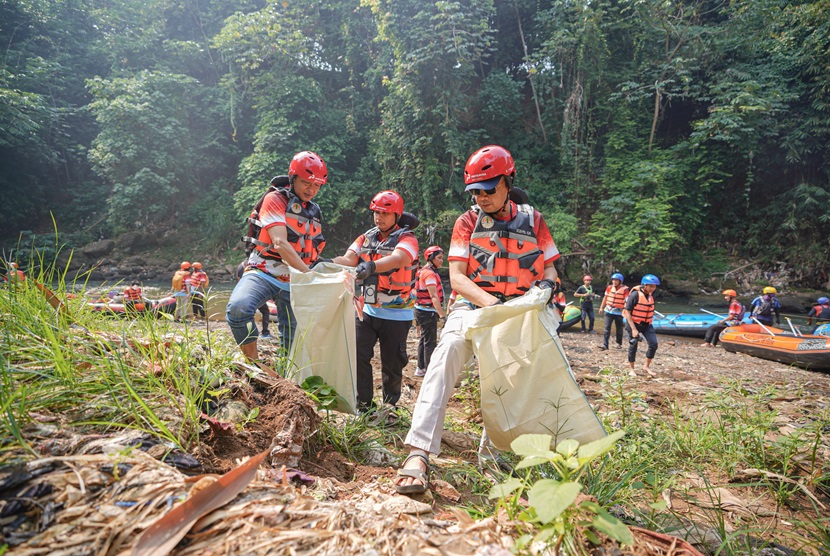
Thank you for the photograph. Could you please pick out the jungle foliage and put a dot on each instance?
(645, 130)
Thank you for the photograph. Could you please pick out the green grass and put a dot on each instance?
(98, 372)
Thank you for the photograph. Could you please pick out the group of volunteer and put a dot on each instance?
(189, 287)
(499, 250)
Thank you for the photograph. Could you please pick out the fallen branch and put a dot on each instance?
(783, 479)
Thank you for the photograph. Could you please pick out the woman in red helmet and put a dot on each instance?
(586, 295)
(429, 305)
(286, 231)
(385, 258)
(499, 250)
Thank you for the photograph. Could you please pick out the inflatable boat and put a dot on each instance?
(809, 351)
(570, 317)
(164, 305)
(682, 324)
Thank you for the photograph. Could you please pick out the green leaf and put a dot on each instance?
(550, 498)
(533, 445)
(530, 461)
(567, 447)
(614, 528)
(504, 489)
(592, 450)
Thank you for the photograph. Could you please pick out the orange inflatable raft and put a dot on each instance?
(807, 351)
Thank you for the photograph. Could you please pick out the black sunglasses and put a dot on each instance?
(488, 192)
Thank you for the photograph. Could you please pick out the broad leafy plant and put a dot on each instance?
(552, 502)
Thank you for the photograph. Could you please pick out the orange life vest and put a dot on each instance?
(199, 279)
(399, 281)
(303, 225)
(822, 312)
(643, 311)
(422, 296)
(505, 258)
(615, 298)
(132, 294)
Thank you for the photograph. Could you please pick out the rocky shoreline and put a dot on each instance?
(136, 256)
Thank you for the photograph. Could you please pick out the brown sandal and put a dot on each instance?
(418, 474)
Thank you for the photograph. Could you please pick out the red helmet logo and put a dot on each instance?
(387, 201)
(488, 163)
(309, 166)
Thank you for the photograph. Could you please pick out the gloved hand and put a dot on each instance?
(551, 285)
(364, 269)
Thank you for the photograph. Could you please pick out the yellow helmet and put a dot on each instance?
(770, 289)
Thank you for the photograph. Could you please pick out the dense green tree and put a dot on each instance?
(647, 132)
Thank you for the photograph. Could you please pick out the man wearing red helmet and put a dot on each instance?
(286, 231)
(429, 306)
(385, 258)
(734, 318)
(198, 283)
(499, 250)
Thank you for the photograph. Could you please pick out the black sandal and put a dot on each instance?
(418, 474)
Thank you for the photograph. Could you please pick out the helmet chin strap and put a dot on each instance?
(390, 228)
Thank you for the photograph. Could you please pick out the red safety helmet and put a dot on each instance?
(310, 166)
(197, 266)
(185, 265)
(387, 201)
(730, 293)
(430, 252)
(486, 166)
(588, 277)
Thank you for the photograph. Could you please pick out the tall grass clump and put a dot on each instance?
(96, 373)
(730, 437)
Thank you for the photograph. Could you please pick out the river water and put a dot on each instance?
(220, 292)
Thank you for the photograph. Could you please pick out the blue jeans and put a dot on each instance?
(250, 293)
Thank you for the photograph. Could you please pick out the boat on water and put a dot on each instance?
(570, 317)
(164, 305)
(809, 351)
(686, 324)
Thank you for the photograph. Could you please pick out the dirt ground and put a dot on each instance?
(685, 372)
(331, 491)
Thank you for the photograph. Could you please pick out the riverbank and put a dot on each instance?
(723, 449)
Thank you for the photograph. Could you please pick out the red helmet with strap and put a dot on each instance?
(387, 201)
(197, 266)
(185, 265)
(309, 166)
(487, 165)
(430, 252)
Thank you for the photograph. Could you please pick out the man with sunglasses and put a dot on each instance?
(499, 250)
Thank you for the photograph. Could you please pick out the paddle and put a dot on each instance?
(795, 331)
(713, 314)
(770, 332)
